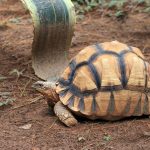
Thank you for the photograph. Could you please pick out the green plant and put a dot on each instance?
(119, 14)
(107, 138)
(116, 4)
(83, 6)
(6, 98)
(117, 7)
(7, 102)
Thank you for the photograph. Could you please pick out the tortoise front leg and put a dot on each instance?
(64, 114)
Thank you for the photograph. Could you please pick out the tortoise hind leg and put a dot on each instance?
(64, 114)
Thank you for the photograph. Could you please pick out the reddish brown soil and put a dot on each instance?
(46, 132)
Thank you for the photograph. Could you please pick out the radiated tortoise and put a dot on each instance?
(106, 81)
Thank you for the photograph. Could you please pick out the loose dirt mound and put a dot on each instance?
(44, 131)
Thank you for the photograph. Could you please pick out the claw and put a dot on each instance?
(70, 122)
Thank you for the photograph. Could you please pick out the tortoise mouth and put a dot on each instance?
(41, 87)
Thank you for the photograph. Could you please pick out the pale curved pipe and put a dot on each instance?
(54, 22)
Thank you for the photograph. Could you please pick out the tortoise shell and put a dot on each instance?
(108, 81)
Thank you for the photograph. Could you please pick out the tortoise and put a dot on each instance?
(108, 81)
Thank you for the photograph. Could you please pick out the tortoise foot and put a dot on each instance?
(64, 115)
(70, 122)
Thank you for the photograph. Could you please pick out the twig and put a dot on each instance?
(146, 134)
(26, 76)
(29, 103)
(25, 87)
(53, 123)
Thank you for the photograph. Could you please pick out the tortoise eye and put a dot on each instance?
(56, 83)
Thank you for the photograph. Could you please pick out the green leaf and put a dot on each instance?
(112, 4)
(119, 14)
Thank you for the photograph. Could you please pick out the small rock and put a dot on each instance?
(81, 139)
(26, 127)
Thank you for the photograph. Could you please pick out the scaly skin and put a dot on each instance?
(48, 90)
(63, 113)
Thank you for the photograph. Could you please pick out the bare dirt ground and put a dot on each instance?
(44, 131)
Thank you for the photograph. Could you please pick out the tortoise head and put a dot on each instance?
(47, 88)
